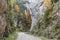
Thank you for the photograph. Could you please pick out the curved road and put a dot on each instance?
(24, 36)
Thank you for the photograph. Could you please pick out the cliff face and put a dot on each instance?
(48, 24)
(3, 23)
(3, 6)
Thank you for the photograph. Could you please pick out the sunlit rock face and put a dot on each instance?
(49, 28)
(36, 8)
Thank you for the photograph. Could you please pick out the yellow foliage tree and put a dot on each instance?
(16, 8)
(27, 14)
(48, 7)
(11, 2)
(47, 3)
(51, 15)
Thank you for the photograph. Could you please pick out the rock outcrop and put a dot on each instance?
(3, 22)
(47, 22)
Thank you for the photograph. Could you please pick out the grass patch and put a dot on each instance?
(43, 38)
(12, 36)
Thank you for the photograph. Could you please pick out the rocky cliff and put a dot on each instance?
(3, 22)
(48, 19)
(49, 24)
